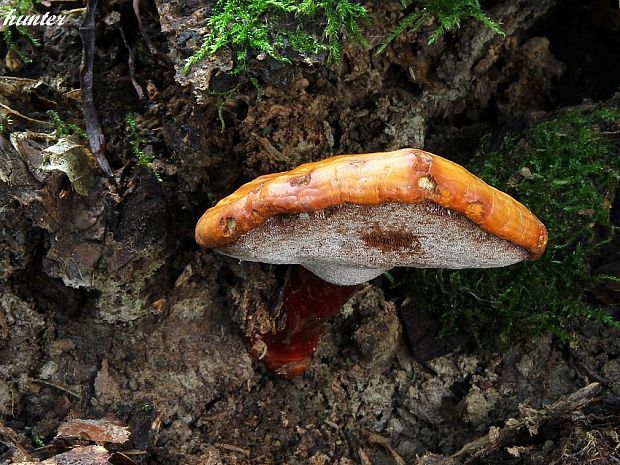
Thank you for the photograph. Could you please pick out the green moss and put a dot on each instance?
(446, 14)
(264, 26)
(6, 124)
(63, 128)
(137, 142)
(567, 171)
(18, 7)
(282, 28)
(37, 441)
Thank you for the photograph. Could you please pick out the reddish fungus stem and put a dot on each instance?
(308, 303)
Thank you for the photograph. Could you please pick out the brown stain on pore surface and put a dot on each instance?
(391, 241)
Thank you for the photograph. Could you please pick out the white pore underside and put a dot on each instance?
(352, 244)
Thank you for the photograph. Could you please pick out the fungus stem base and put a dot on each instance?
(308, 303)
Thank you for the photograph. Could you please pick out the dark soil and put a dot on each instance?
(109, 308)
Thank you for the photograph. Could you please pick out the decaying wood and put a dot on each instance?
(529, 422)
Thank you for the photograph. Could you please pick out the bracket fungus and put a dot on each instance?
(348, 219)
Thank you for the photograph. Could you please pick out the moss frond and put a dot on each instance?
(137, 143)
(63, 128)
(446, 14)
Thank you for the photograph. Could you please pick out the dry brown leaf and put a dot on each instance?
(94, 430)
(89, 455)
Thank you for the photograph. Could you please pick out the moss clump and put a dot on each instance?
(264, 26)
(279, 28)
(446, 14)
(567, 171)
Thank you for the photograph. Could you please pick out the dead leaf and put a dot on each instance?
(94, 430)
(76, 161)
(89, 455)
(106, 388)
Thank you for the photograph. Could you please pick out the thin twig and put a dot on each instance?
(132, 68)
(24, 117)
(231, 448)
(57, 386)
(93, 128)
(147, 39)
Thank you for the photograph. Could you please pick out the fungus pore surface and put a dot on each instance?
(351, 244)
